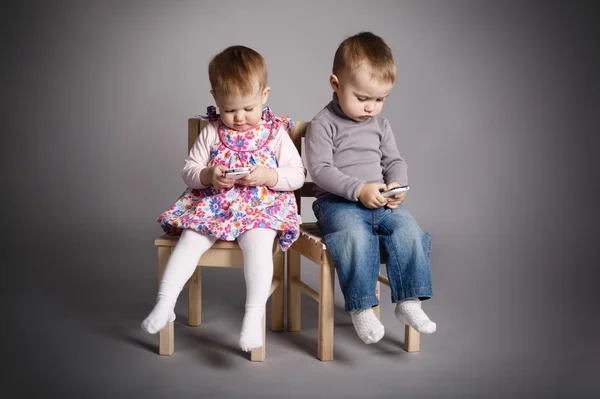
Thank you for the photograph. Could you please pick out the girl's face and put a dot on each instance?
(242, 112)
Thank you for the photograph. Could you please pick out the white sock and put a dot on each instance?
(181, 265)
(409, 312)
(257, 245)
(367, 325)
(251, 336)
(162, 313)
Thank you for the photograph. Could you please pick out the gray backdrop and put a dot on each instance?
(495, 110)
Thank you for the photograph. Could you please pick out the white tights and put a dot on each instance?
(257, 246)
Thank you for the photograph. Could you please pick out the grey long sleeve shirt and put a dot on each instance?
(342, 154)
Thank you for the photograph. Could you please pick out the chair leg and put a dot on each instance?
(293, 292)
(277, 297)
(412, 339)
(166, 339)
(195, 298)
(259, 355)
(325, 346)
(377, 309)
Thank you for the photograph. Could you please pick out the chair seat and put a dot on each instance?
(170, 241)
(167, 240)
(311, 232)
(310, 243)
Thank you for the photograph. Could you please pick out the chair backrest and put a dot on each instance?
(195, 126)
(297, 133)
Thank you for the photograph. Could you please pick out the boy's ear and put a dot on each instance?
(213, 94)
(334, 82)
(265, 95)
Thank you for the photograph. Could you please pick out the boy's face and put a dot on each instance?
(360, 97)
(242, 112)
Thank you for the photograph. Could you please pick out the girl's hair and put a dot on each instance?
(366, 51)
(235, 70)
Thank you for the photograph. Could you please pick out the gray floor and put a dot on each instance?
(83, 340)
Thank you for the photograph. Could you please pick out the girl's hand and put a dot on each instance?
(215, 176)
(370, 196)
(260, 176)
(395, 200)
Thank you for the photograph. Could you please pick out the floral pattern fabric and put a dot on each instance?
(228, 213)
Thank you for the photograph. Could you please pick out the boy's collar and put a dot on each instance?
(336, 107)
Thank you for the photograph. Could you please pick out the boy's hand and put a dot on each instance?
(215, 176)
(260, 176)
(395, 200)
(370, 196)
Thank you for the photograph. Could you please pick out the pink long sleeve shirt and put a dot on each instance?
(291, 172)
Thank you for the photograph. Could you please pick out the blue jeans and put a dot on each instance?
(355, 235)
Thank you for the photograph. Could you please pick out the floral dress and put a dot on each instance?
(228, 213)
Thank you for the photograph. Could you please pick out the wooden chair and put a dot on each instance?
(221, 254)
(311, 245)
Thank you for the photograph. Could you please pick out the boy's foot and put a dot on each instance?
(367, 325)
(162, 314)
(251, 337)
(409, 312)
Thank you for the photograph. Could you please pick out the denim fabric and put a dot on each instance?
(355, 235)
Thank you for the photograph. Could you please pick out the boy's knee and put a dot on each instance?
(407, 227)
(341, 221)
(352, 243)
(353, 234)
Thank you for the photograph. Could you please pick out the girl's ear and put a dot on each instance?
(265, 95)
(334, 82)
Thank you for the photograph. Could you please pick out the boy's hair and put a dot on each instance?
(367, 51)
(234, 70)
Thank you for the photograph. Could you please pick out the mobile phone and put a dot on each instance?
(237, 173)
(395, 191)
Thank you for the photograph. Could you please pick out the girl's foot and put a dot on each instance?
(251, 337)
(162, 314)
